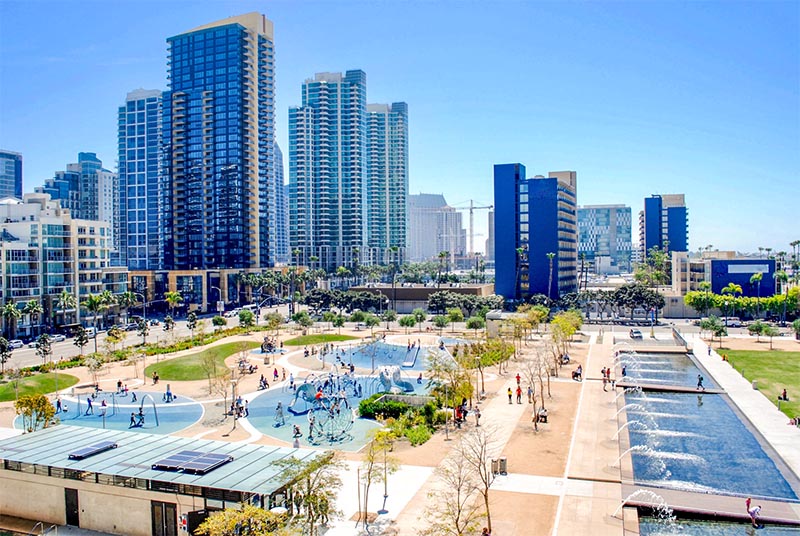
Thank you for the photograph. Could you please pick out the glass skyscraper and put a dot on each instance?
(328, 169)
(348, 174)
(387, 172)
(218, 146)
(604, 237)
(78, 188)
(10, 174)
(280, 211)
(141, 215)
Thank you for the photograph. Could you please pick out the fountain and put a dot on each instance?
(632, 405)
(655, 501)
(629, 390)
(629, 423)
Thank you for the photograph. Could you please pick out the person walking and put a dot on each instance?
(700, 382)
(519, 394)
(510, 394)
(90, 408)
(477, 416)
(530, 395)
(518, 377)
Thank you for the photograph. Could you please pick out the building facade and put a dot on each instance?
(218, 139)
(387, 176)
(45, 251)
(140, 240)
(10, 174)
(328, 170)
(490, 238)
(536, 238)
(348, 174)
(78, 188)
(664, 223)
(604, 237)
(280, 211)
(434, 227)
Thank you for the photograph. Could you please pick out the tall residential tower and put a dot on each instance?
(218, 133)
(604, 237)
(10, 174)
(664, 223)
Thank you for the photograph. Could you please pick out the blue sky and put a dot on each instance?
(701, 98)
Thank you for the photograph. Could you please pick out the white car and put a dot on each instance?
(58, 338)
(15, 343)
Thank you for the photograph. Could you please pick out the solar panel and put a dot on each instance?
(192, 462)
(91, 450)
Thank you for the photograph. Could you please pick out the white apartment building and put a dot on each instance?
(44, 251)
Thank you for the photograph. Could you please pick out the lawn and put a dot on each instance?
(774, 371)
(36, 384)
(317, 339)
(190, 367)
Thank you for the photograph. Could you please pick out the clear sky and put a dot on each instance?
(701, 98)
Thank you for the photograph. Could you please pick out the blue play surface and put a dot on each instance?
(263, 412)
(376, 354)
(172, 417)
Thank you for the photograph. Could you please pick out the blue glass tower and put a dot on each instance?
(141, 217)
(328, 212)
(664, 224)
(280, 208)
(10, 174)
(534, 218)
(604, 233)
(218, 135)
(78, 188)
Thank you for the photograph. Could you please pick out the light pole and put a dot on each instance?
(144, 306)
(219, 300)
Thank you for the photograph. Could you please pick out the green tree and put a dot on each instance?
(65, 301)
(550, 257)
(407, 321)
(173, 299)
(338, 322)
(11, 315)
(454, 315)
(770, 332)
(755, 279)
(732, 289)
(757, 328)
(419, 316)
(246, 319)
(81, 337)
(796, 328)
(126, 300)
(34, 310)
(371, 321)
(114, 336)
(36, 411)
(441, 321)
(389, 316)
(245, 520)
(191, 322)
(715, 326)
(783, 278)
(376, 465)
(5, 354)
(143, 330)
(95, 305)
(274, 321)
(475, 323)
(303, 319)
(315, 484)
(219, 322)
(169, 324)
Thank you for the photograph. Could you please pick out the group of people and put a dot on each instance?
(753, 512)
(605, 372)
(137, 419)
(269, 345)
(239, 408)
(247, 368)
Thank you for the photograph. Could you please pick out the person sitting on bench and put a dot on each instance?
(565, 359)
(577, 374)
(543, 415)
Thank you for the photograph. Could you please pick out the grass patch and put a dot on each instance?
(774, 372)
(190, 367)
(318, 339)
(36, 384)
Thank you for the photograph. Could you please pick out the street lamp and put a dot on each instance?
(220, 306)
(144, 306)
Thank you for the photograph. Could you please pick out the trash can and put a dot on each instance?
(503, 465)
(495, 467)
(755, 385)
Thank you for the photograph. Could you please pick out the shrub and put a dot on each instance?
(370, 407)
(418, 434)
(441, 416)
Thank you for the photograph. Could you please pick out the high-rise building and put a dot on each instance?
(328, 168)
(664, 223)
(10, 174)
(141, 240)
(536, 238)
(348, 174)
(604, 237)
(77, 188)
(280, 211)
(218, 137)
(434, 227)
(387, 172)
(45, 250)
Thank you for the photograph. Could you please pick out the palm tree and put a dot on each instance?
(11, 314)
(442, 256)
(126, 300)
(107, 300)
(783, 278)
(732, 289)
(173, 298)
(33, 309)
(550, 257)
(65, 301)
(705, 286)
(756, 279)
(520, 253)
(94, 304)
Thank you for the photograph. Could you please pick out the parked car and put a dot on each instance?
(58, 337)
(15, 343)
(636, 334)
(131, 326)
(733, 322)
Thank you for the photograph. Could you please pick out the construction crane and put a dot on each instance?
(472, 208)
